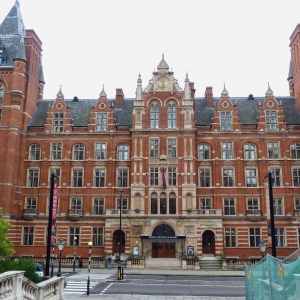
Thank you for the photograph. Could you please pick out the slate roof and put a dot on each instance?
(12, 33)
(247, 111)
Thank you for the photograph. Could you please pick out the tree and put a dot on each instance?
(6, 247)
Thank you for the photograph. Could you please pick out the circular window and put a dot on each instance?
(225, 104)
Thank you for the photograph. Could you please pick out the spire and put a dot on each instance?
(269, 91)
(224, 93)
(187, 89)
(12, 33)
(163, 67)
(103, 94)
(139, 89)
(60, 95)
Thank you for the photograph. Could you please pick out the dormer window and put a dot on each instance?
(271, 120)
(225, 120)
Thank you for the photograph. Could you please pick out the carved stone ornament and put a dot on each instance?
(102, 106)
(270, 103)
(58, 106)
(189, 229)
(251, 163)
(147, 222)
(227, 163)
(178, 223)
(225, 104)
(163, 83)
(137, 229)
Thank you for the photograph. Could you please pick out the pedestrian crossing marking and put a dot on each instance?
(79, 287)
(92, 276)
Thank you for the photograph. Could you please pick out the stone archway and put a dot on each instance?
(208, 242)
(119, 242)
(163, 248)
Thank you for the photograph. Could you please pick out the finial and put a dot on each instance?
(60, 95)
(103, 94)
(163, 56)
(186, 77)
(17, 2)
(139, 78)
(269, 91)
(224, 92)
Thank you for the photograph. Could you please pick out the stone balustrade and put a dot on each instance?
(14, 286)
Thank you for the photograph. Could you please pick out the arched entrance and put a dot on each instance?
(118, 240)
(163, 248)
(208, 242)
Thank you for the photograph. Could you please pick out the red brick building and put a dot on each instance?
(192, 169)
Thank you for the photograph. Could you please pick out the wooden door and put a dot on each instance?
(208, 242)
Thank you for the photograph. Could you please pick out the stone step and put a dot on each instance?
(213, 264)
(163, 264)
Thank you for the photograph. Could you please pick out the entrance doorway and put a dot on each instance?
(208, 242)
(119, 240)
(163, 248)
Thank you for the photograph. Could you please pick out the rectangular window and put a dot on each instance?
(77, 180)
(254, 237)
(76, 203)
(229, 207)
(101, 122)
(297, 206)
(98, 236)
(227, 150)
(153, 148)
(154, 204)
(280, 237)
(205, 204)
(230, 237)
(124, 203)
(56, 172)
(74, 232)
(33, 178)
(56, 149)
(98, 206)
(225, 120)
(31, 203)
(172, 147)
(172, 205)
(58, 122)
(278, 206)
(296, 177)
(252, 204)
(273, 149)
(172, 176)
(251, 177)
(99, 177)
(28, 233)
(204, 177)
(100, 151)
(122, 178)
(271, 120)
(153, 176)
(228, 178)
(276, 176)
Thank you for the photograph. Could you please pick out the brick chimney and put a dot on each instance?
(193, 90)
(209, 96)
(119, 97)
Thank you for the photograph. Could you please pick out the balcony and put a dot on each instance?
(116, 212)
(297, 214)
(29, 214)
(253, 215)
(210, 212)
(74, 214)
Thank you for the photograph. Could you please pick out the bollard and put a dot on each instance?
(122, 273)
(119, 272)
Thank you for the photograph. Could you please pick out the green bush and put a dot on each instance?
(20, 265)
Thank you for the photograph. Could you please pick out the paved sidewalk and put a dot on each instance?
(208, 273)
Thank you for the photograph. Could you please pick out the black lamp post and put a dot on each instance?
(120, 231)
(60, 246)
(262, 248)
(90, 244)
(74, 261)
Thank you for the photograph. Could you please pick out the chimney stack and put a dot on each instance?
(209, 96)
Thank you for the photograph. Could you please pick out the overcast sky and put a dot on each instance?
(244, 44)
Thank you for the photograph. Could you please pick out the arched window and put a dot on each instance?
(154, 203)
(35, 152)
(171, 115)
(78, 152)
(154, 115)
(295, 150)
(123, 152)
(1, 91)
(204, 151)
(163, 204)
(250, 151)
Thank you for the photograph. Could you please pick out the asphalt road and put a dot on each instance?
(174, 286)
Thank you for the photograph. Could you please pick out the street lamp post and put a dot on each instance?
(60, 246)
(53, 258)
(262, 248)
(120, 231)
(90, 244)
(74, 261)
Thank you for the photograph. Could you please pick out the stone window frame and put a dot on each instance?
(251, 177)
(227, 150)
(295, 153)
(172, 147)
(122, 179)
(33, 178)
(100, 151)
(35, 151)
(276, 176)
(154, 115)
(78, 151)
(98, 206)
(296, 176)
(252, 206)
(31, 202)
(56, 153)
(101, 122)
(205, 206)
(97, 236)
(101, 178)
(281, 242)
(54, 169)
(270, 123)
(273, 148)
(123, 151)
(278, 206)
(153, 176)
(204, 177)
(250, 151)
(74, 231)
(254, 236)
(229, 177)
(28, 235)
(159, 203)
(58, 122)
(172, 118)
(154, 152)
(172, 175)
(230, 237)
(228, 206)
(78, 177)
(206, 153)
(225, 121)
